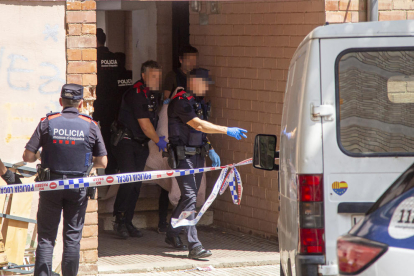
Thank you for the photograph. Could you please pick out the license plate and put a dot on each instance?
(355, 219)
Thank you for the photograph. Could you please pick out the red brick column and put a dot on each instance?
(81, 48)
(81, 69)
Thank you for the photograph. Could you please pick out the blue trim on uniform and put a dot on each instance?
(87, 157)
(375, 225)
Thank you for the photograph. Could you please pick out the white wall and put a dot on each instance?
(32, 69)
(144, 30)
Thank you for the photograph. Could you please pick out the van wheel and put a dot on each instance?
(281, 270)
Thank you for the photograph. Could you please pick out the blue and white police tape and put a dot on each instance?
(105, 180)
(221, 185)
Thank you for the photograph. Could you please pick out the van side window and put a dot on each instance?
(375, 98)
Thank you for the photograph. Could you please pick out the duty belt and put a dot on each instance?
(191, 150)
(128, 134)
(56, 176)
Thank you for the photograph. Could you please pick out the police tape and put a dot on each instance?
(97, 181)
(186, 218)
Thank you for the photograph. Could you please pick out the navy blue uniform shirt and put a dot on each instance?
(41, 134)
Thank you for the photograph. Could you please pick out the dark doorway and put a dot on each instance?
(181, 28)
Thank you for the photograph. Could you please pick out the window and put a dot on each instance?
(376, 102)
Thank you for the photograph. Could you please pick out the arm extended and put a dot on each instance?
(206, 127)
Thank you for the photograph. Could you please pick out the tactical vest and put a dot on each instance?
(68, 150)
(176, 126)
(126, 116)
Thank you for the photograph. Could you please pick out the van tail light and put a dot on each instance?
(356, 254)
(311, 215)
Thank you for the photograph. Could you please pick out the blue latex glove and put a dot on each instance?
(236, 132)
(214, 157)
(162, 144)
(167, 101)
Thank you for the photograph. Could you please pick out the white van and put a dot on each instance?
(347, 134)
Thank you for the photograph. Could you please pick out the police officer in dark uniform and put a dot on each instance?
(187, 129)
(72, 144)
(137, 122)
(105, 107)
(124, 81)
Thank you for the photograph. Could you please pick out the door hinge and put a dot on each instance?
(322, 111)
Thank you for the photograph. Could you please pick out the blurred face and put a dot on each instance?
(198, 86)
(188, 62)
(152, 78)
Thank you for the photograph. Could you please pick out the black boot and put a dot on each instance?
(199, 252)
(120, 227)
(176, 243)
(133, 231)
(162, 227)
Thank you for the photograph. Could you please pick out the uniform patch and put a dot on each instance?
(339, 187)
(402, 221)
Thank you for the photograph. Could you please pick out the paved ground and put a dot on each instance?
(151, 253)
(266, 270)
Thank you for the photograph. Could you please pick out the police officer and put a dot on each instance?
(188, 56)
(187, 128)
(107, 97)
(137, 122)
(71, 142)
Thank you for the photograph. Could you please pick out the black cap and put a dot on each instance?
(72, 92)
(201, 73)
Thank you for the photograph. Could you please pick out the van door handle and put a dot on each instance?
(354, 207)
(325, 111)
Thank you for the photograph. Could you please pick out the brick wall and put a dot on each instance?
(164, 36)
(345, 11)
(81, 69)
(81, 48)
(248, 47)
(395, 10)
(339, 11)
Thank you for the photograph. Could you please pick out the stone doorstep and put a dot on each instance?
(228, 262)
(146, 219)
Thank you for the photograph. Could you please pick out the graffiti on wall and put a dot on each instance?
(32, 70)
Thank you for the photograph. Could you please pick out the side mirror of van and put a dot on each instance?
(265, 152)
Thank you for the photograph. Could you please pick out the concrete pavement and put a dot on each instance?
(266, 270)
(151, 254)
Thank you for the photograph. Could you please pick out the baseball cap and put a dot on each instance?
(202, 73)
(72, 91)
